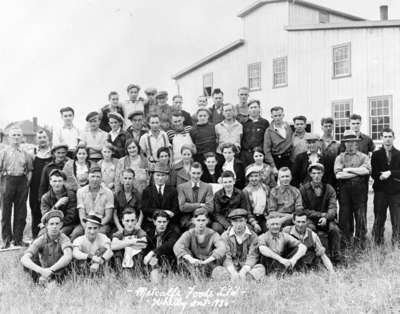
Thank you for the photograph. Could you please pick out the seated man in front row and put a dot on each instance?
(315, 250)
(319, 201)
(128, 243)
(50, 253)
(159, 255)
(92, 250)
(242, 250)
(284, 199)
(279, 250)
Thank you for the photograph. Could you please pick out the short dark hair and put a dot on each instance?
(355, 116)
(163, 150)
(160, 213)
(130, 211)
(58, 173)
(299, 213)
(79, 147)
(200, 211)
(217, 91)
(153, 116)
(129, 142)
(387, 130)
(254, 101)
(302, 118)
(177, 113)
(258, 149)
(326, 120)
(66, 109)
(227, 174)
(210, 155)
(228, 145)
(110, 94)
(284, 169)
(196, 165)
(129, 170)
(109, 146)
(276, 108)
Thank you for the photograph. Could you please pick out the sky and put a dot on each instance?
(58, 53)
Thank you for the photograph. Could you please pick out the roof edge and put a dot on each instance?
(347, 25)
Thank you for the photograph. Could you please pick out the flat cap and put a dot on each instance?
(93, 219)
(200, 211)
(135, 113)
(311, 137)
(91, 115)
(316, 165)
(130, 86)
(95, 168)
(116, 116)
(58, 172)
(252, 168)
(150, 90)
(237, 213)
(350, 136)
(162, 94)
(57, 147)
(51, 214)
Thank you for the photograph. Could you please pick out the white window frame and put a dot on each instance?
(254, 76)
(335, 49)
(374, 113)
(276, 84)
(341, 119)
(208, 77)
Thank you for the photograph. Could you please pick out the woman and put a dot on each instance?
(200, 249)
(231, 163)
(117, 137)
(182, 168)
(108, 166)
(135, 161)
(266, 173)
(211, 171)
(164, 158)
(77, 169)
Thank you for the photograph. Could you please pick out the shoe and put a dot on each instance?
(21, 243)
(6, 245)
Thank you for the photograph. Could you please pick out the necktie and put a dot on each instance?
(195, 193)
(389, 156)
(160, 191)
(159, 240)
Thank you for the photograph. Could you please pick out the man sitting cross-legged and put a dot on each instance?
(200, 249)
(242, 250)
(279, 250)
(315, 251)
(159, 254)
(92, 250)
(128, 243)
(49, 254)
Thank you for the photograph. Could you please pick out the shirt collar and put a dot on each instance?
(195, 184)
(297, 235)
(246, 232)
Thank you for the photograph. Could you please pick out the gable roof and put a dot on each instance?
(260, 3)
(232, 46)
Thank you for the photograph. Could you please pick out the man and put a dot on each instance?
(351, 168)
(203, 134)
(92, 250)
(42, 157)
(179, 135)
(202, 102)
(302, 161)
(194, 194)
(253, 132)
(61, 198)
(127, 196)
(216, 109)
(299, 141)
(315, 251)
(159, 255)
(136, 129)
(319, 202)
(164, 110)
(284, 199)
(278, 141)
(225, 200)
(153, 140)
(241, 109)
(128, 243)
(134, 102)
(279, 250)
(365, 144)
(94, 138)
(159, 196)
(177, 102)
(94, 199)
(59, 154)
(49, 255)
(385, 164)
(16, 172)
(241, 261)
(68, 134)
(229, 130)
(113, 106)
(150, 105)
(330, 150)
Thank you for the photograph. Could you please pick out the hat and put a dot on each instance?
(93, 219)
(91, 115)
(150, 90)
(161, 168)
(311, 137)
(135, 113)
(200, 211)
(161, 94)
(237, 213)
(59, 172)
(116, 116)
(57, 147)
(51, 214)
(130, 86)
(95, 168)
(350, 136)
(316, 165)
(250, 169)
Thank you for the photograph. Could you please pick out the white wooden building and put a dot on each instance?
(312, 60)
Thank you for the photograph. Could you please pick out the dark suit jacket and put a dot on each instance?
(379, 163)
(299, 169)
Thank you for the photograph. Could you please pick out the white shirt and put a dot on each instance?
(68, 136)
(162, 188)
(260, 201)
(240, 238)
(228, 165)
(113, 134)
(281, 130)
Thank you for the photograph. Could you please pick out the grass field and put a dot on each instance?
(370, 284)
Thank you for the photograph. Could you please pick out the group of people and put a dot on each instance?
(147, 188)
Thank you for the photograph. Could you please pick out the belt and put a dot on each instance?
(284, 155)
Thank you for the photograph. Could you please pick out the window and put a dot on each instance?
(380, 115)
(341, 111)
(254, 75)
(342, 60)
(207, 84)
(280, 72)
(323, 17)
